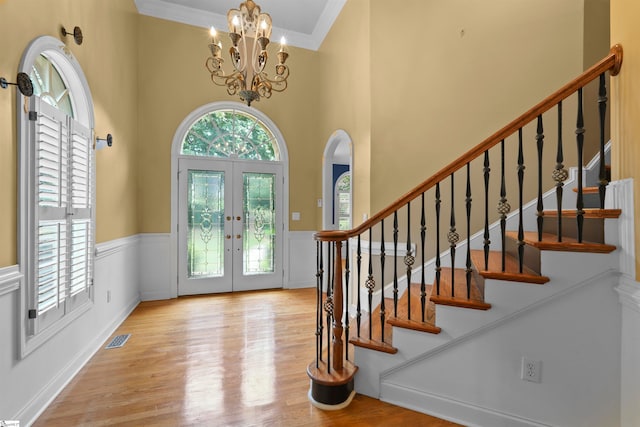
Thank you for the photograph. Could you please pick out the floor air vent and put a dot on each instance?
(118, 341)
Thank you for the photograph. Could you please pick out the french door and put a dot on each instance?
(230, 226)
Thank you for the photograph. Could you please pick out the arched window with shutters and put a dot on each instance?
(57, 198)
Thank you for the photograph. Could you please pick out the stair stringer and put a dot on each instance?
(474, 378)
(507, 299)
(529, 211)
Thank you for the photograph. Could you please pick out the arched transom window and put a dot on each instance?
(48, 85)
(230, 134)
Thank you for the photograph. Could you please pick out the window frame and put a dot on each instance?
(71, 72)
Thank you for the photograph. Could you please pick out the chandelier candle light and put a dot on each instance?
(249, 31)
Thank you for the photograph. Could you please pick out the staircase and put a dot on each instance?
(463, 326)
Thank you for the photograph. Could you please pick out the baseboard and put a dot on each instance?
(439, 406)
(32, 410)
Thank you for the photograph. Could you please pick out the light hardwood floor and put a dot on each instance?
(219, 360)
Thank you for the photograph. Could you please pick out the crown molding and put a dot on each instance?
(172, 12)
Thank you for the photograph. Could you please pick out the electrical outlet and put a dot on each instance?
(531, 370)
(108, 296)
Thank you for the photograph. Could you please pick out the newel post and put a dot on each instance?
(338, 346)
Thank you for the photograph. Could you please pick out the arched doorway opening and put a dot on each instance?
(229, 198)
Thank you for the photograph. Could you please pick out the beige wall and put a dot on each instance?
(447, 74)
(345, 101)
(173, 82)
(625, 115)
(108, 58)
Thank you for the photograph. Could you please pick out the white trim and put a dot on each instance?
(50, 391)
(599, 279)
(337, 138)
(176, 145)
(417, 400)
(376, 248)
(10, 278)
(629, 293)
(620, 196)
(114, 246)
(197, 17)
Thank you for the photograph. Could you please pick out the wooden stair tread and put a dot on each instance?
(416, 323)
(512, 268)
(549, 242)
(588, 213)
(588, 190)
(373, 344)
(476, 301)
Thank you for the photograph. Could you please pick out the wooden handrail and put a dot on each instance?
(612, 63)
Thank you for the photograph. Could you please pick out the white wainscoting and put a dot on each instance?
(302, 260)
(38, 378)
(156, 281)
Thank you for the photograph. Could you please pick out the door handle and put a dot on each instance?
(228, 218)
(228, 236)
(238, 218)
(238, 236)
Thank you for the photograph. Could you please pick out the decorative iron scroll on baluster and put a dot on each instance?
(503, 205)
(560, 174)
(580, 145)
(487, 241)
(347, 275)
(370, 284)
(409, 259)
(453, 237)
(521, 169)
(602, 108)
(328, 309)
(540, 205)
(319, 318)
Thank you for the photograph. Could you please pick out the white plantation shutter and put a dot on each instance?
(62, 271)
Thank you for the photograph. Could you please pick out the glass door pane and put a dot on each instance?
(205, 227)
(257, 262)
(259, 223)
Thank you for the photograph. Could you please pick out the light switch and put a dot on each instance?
(295, 216)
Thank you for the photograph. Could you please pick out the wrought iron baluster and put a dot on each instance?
(382, 261)
(453, 238)
(438, 267)
(468, 205)
(539, 145)
(395, 263)
(487, 242)
(503, 205)
(409, 259)
(358, 270)
(319, 318)
(560, 174)
(423, 235)
(347, 274)
(580, 144)
(521, 168)
(602, 108)
(370, 284)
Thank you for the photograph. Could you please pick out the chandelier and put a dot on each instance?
(249, 31)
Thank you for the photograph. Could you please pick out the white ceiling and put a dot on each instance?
(304, 23)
